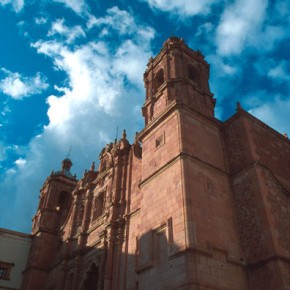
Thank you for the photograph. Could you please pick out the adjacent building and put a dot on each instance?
(193, 203)
(14, 250)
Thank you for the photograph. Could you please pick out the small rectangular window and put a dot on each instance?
(159, 141)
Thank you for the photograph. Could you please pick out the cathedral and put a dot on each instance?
(193, 203)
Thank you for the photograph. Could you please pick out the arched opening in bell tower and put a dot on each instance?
(63, 205)
(158, 80)
(193, 74)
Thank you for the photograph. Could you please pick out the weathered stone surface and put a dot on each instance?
(204, 204)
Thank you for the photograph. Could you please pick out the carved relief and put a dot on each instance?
(106, 160)
(105, 163)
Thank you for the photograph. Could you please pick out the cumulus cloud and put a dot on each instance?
(69, 33)
(183, 7)
(104, 89)
(17, 5)
(259, 24)
(239, 24)
(17, 86)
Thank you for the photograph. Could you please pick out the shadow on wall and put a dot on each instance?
(145, 262)
(150, 261)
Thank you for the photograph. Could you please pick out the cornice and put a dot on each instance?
(242, 113)
(175, 106)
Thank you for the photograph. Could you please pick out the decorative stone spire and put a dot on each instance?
(238, 107)
(136, 138)
(124, 134)
(66, 165)
(93, 166)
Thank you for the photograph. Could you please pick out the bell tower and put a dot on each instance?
(184, 185)
(179, 74)
(54, 205)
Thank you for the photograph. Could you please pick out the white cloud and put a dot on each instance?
(274, 114)
(122, 22)
(252, 24)
(17, 86)
(222, 67)
(20, 162)
(239, 25)
(40, 20)
(70, 33)
(280, 72)
(204, 29)
(17, 5)
(5, 109)
(271, 35)
(104, 90)
(2, 152)
(78, 6)
(183, 7)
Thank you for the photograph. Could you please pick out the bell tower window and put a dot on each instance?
(63, 201)
(193, 74)
(158, 80)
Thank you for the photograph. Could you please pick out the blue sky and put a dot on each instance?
(71, 72)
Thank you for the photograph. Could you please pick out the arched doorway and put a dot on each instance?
(92, 280)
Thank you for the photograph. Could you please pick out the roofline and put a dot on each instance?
(16, 233)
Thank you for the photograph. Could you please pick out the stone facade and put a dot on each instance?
(202, 204)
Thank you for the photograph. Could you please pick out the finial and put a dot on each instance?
(69, 152)
(136, 137)
(52, 172)
(117, 133)
(93, 166)
(124, 134)
(238, 107)
(150, 60)
(285, 135)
